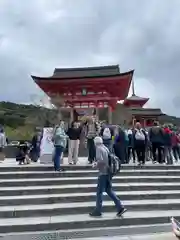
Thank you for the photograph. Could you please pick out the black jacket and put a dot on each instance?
(35, 142)
(74, 133)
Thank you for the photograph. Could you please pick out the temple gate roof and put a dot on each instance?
(86, 72)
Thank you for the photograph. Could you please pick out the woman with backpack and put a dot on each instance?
(140, 142)
(156, 137)
(131, 151)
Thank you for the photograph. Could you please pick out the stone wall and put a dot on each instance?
(121, 115)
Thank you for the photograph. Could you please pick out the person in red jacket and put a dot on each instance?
(168, 145)
(176, 145)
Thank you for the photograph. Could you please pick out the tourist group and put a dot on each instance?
(159, 144)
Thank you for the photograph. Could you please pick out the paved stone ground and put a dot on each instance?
(82, 161)
(12, 162)
(163, 236)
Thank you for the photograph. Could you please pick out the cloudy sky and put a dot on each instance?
(38, 35)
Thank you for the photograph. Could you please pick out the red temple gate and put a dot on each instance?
(98, 87)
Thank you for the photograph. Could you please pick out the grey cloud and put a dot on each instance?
(36, 36)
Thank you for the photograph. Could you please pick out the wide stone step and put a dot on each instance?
(87, 173)
(85, 207)
(35, 198)
(155, 236)
(82, 197)
(66, 222)
(94, 233)
(85, 180)
(38, 167)
(85, 188)
(83, 173)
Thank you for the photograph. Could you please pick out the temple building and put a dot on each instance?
(135, 106)
(97, 90)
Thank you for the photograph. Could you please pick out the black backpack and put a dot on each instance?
(114, 164)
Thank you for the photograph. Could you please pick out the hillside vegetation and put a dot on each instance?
(20, 120)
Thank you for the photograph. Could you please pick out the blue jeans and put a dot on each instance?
(168, 154)
(91, 150)
(57, 155)
(105, 185)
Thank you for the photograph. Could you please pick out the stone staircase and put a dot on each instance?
(35, 201)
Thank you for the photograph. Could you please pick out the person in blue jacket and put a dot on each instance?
(60, 142)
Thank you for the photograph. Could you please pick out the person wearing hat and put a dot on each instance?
(104, 180)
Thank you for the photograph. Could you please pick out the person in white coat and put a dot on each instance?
(2, 144)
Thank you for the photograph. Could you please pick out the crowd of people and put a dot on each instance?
(159, 144)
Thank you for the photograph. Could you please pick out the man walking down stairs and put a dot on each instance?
(37, 203)
(104, 180)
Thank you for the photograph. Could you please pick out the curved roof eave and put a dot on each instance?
(136, 100)
(139, 101)
(36, 78)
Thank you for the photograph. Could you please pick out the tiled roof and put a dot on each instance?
(146, 111)
(136, 98)
(59, 78)
(86, 71)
